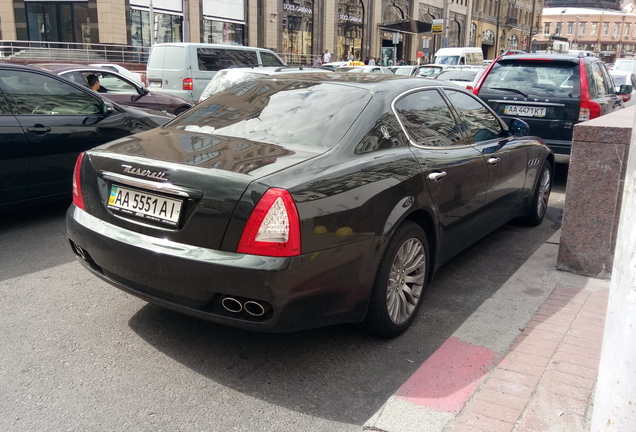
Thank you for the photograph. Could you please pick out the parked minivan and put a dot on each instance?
(551, 92)
(459, 56)
(184, 69)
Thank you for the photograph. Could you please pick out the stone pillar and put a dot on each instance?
(615, 400)
(594, 192)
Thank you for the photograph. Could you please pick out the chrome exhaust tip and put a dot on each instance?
(256, 309)
(232, 305)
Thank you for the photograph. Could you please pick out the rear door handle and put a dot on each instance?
(39, 129)
(493, 160)
(437, 176)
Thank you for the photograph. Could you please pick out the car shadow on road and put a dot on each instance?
(341, 373)
(33, 239)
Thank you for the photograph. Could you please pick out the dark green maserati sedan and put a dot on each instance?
(298, 201)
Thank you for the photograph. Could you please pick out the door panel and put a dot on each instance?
(455, 173)
(506, 161)
(14, 157)
(59, 121)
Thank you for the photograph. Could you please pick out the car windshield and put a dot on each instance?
(226, 79)
(540, 78)
(279, 111)
(447, 60)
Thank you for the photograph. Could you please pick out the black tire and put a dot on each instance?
(397, 292)
(539, 204)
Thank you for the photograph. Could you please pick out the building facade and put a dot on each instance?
(609, 33)
(296, 29)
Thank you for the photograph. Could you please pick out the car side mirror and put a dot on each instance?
(625, 89)
(518, 128)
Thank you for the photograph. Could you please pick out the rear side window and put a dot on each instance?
(535, 78)
(598, 80)
(269, 59)
(481, 124)
(33, 93)
(215, 59)
(427, 119)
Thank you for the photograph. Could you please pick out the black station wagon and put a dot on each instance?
(551, 92)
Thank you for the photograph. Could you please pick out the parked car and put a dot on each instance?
(298, 203)
(184, 69)
(121, 89)
(228, 77)
(46, 122)
(364, 69)
(620, 78)
(136, 77)
(552, 92)
(404, 70)
(626, 65)
(334, 65)
(463, 77)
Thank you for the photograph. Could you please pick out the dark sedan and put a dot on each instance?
(300, 201)
(45, 123)
(121, 89)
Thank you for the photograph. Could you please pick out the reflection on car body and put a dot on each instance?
(305, 201)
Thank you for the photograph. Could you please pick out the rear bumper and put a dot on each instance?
(308, 291)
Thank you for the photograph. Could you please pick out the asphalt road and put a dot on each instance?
(78, 354)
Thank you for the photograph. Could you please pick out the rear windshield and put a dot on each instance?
(457, 75)
(279, 111)
(534, 78)
(627, 66)
(226, 79)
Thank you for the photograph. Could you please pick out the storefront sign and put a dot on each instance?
(350, 18)
(297, 8)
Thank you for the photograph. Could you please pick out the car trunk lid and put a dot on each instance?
(179, 185)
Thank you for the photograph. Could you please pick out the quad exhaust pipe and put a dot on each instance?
(253, 307)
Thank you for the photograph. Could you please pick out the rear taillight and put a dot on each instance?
(273, 228)
(588, 109)
(78, 200)
(482, 78)
(188, 84)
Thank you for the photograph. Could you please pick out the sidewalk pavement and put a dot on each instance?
(525, 361)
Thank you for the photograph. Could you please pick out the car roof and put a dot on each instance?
(59, 68)
(373, 82)
(552, 56)
(270, 70)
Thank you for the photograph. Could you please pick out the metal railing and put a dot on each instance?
(73, 52)
(297, 59)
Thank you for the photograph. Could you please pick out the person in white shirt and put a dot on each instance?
(371, 61)
(326, 57)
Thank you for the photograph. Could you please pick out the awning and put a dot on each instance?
(406, 26)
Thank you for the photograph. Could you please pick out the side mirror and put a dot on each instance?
(518, 128)
(625, 89)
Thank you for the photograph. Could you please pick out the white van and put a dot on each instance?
(459, 56)
(184, 69)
